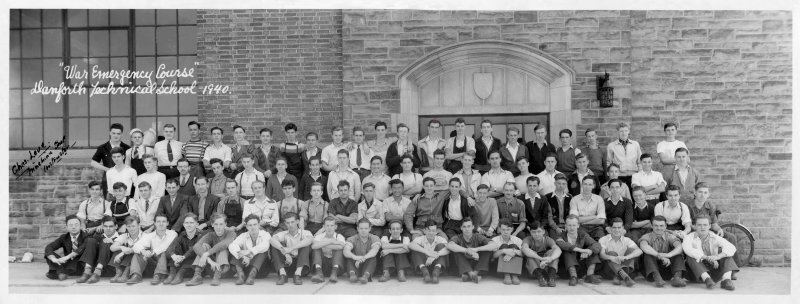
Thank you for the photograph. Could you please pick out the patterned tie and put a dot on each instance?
(358, 157)
(136, 153)
(146, 205)
(169, 150)
(74, 244)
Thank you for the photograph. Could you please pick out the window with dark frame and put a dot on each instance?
(117, 39)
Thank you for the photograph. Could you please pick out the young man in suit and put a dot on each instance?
(186, 178)
(180, 253)
(537, 208)
(172, 206)
(72, 243)
(202, 204)
(559, 201)
(538, 149)
(456, 209)
(512, 151)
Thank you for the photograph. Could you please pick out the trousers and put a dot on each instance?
(299, 261)
(327, 263)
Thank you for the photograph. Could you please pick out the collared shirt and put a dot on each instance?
(696, 247)
(361, 246)
(375, 213)
(674, 214)
(395, 208)
(513, 150)
(127, 240)
(351, 177)
(477, 240)
(146, 209)
(594, 206)
(622, 209)
(547, 181)
(103, 153)
(422, 241)
(313, 211)
(540, 247)
(345, 208)
(157, 181)
(560, 199)
(422, 209)
(217, 185)
(267, 210)
(488, 214)
(245, 242)
(609, 244)
(126, 175)
(454, 208)
(409, 180)
(663, 243)
(642, 213)
(708, 209)
(223, 152)
(246, 180)
(512, 209)
(194, 150)
(155, 243)
(381, 185)
(93, 210)
(330, 155)
(471, 185)
(645, 179)
(440, 177)
(430, 145)
(496, 179)
(512, 240)
(625, 156)
(288, 239)
(366, 155)
(163, 155)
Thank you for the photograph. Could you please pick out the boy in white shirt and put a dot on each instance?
(249, 250)
(394, 252)
(327, 252)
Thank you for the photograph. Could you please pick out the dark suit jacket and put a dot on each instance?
(466, 210)
(537, 156)
(264, 162)
(193, 203)
(553, 202)
(64, 242)
(537, 209)
(187, 188)
(574, 185)
(583, 241)
(482, 153)
(393, 159)
(509, 162)
(306, 161)
(173, 212)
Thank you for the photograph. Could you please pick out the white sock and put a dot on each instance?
(282, 271)
(704, 276)
(299, 271)
(726, 276)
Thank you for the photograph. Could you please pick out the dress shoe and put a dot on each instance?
(297, 280)
(435, 277)
(282, 280)
(84, 277)
(94, 278)
(135, 279)
(727, 285)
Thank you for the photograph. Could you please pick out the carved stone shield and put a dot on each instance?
(482, 83)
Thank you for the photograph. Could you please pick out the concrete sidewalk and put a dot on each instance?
(29, 278)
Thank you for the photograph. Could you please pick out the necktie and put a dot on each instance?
(136, 153)
(74, 244)
(183, 181)
(200, 206)
(146, 205)
(358, 157)
(169, 150)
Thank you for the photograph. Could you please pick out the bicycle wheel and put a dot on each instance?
(743, 240)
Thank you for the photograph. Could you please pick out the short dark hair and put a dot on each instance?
(588, 177)
(358, 129)
(289, 215)
(398, 181)
(505, 222)
(681, 149)
(551, 154)
(312, 134)
(239, 127)
(252, 217)
(565, 131)
(117, 126)
(454, 179)
(130, 219)
(612, 165)
(434, 121)
(183, 160)
(392, 222)
(169, 125)
(199, 178)
(288, 182)
(376, 157)
(483, 186)
(430, 223)
(699, 217)
(402, 125)
(560, 176)
(173, 181)
(670, 124)
(72, 217)
(673, 188)
(362, 221)
(406, 156)
(616, 180)
(589, 130)
(381, 123)
(193, 123)
(342, 151)
(534, 225)
(616, 220)
(290, 126)
(315, 157)
(493, 152)
(638, 188)
(368, 185)
(343, 183)
(645, 155)
(145, 185)
(336, 128)
(108, 218)
(438, 152)
(217, 128)
(533, 178)
(191, 215)
(486, 121)
(700, 185)
(265, 130)
(428, 179)
(119, 185)
(539, 126)
(460, 120)
(118, 150)
(580, 156)
(659, 218)
(216, 161)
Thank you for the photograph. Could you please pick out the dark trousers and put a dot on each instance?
(96, 253)
(300, 261)
(452, 228)
(255, 263)
(396, 261)
(611, 269)
(636, 233)
(188, 259)
(368, 266)
(627, 180)
(221, 257)
(327, 263)
(698, 268)
(169, 171)
(197, 169)
(652, 264)
(467, 264)
(533, 263)
(71, 267)
(419, 258)
(313, 227)
(124, 262)
(653, 202)
(571, 259)
(346, 230)
(139, 263)
(595, 231)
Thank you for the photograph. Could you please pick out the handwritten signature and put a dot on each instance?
(44, 156)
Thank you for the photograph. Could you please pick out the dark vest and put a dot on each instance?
(566, 160)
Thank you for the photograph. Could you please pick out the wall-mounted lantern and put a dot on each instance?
(605, 93)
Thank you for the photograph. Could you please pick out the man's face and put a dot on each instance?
(681, 158)
(376, 166)
(506, 230)
(402, 133)
(95, 191)
(316, 191)
(115, 134)
(119, 194)
(74, 226)
(329, 226)
(149, 164)
(109, 228)
(591, 137)
(522, 164)
(467, 161)
(617, 230)
(231, 189)
(344, 160)
(430, 231)
(508, 191)
(466, 228)
(616, 188)
(118, 158)
(363, 229)
(673, 196)
(538, 233)
(702, 194)
(702, 226)
(433, 130)
(540, 134)
(494, 160)
(613, 172)
(281, 166)
(623, 133)
(396, 229)
(647, 164)
(311, 141)
(190, 224)
(407, 164)
(639, 196)
(438, 161)
(315, 166)
(512, 136)
(572, 226)
(219, 226)
(136, 138)
(565, 139)
(455, 187)
(161, 223)
(486, 129)
(550, 163)
(144, 192)
(659, 227)
(201, 186)
(133, 226)
(381, 131)
(460, 127)
(358, 137)
(291, 223)
(369, 193)
(482, 195)
(337, 136)
(238, 134)
(291, 135)
(194, 131)
(252, 225)
(561, 185)
(169, 132)
(671, 131)
(397, 189)
(216, 136)
(588, 185)
(582, 163)
(218, 169)
(247, 162)
(266, 137)
(172, 188)
(533, 187)
(258, 189)
(183, 168)
(344, 192)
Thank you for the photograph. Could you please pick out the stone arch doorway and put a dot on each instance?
(487, 77)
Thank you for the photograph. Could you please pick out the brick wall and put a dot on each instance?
(281, 65)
